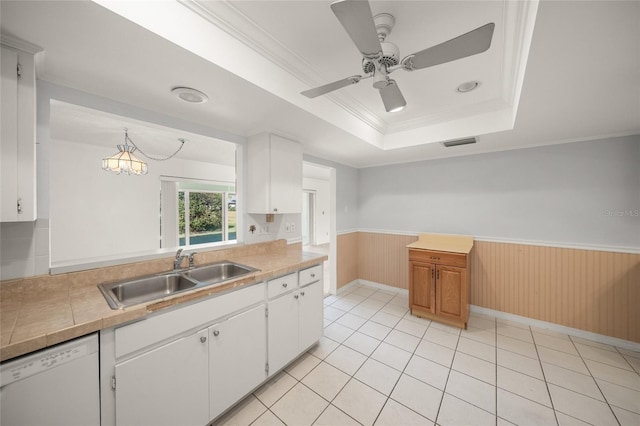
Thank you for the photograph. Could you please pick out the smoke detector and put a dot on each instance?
(190, 95)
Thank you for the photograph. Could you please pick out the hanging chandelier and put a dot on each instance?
(125, 162)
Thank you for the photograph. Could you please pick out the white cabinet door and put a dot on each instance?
(310, 314)
(286, 176)
(165, 386)
(237, 358)
(9, 141)
(274, 175)
(283, 331)
(17, 143)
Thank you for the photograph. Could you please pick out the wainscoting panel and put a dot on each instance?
(347, 258)
(596, 291)
(384, 259)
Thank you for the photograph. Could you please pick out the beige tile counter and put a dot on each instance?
(37, 312)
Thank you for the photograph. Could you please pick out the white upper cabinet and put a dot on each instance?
(274, 175)
(17, 143)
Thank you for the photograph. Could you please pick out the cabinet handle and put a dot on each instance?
(275, 210)
(313, 275)
(302, 293)
(438, 275)
(216, 333)
(203, 339)
(296, 296)
(433, 273)
(284, 285)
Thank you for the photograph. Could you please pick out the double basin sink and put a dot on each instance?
(145, 289)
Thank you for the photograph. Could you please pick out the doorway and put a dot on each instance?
(318, 216)
(308, 205)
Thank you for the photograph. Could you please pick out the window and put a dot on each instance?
(204, 218)
(197, 212)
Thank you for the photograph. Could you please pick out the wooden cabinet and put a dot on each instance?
(274, 175)
(17, 142)
(295, 318)
(237, 358)
(165, 386)
(438, 283)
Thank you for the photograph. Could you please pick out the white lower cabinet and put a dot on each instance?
(165, 386)
(190, 364)
(295, 323)
(311, 317)
(237, 358)
(283, 330)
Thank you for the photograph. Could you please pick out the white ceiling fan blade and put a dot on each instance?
(392, 97)
(330, 87)
(355, 16)
(471, 43)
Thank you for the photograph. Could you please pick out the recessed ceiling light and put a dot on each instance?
(190, 95)
(468, 86)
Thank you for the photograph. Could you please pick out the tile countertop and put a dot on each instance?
(441, 242)
(37, 312)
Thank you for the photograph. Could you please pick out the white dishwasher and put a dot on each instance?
(55, 386)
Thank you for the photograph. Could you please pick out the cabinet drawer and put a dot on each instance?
(439, 257)
(281, 285)
(156, 328)
(309, 275)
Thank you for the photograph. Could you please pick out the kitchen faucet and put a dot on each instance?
(177, 262)
(191, 259)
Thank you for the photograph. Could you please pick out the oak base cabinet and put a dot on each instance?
(439, 286)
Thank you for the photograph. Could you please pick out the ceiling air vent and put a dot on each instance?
(459, 142)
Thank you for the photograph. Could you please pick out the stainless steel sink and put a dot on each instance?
(218, 272)
(145, 289)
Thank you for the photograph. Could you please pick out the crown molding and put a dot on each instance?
(19, 44)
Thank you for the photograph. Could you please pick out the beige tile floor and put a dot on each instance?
(376, 364)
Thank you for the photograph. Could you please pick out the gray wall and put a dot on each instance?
(572, 193)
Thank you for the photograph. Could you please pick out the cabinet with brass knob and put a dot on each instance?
(439, 284)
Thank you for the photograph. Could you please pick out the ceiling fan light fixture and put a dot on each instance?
(468, 86)
(392, 97)
(190, 95)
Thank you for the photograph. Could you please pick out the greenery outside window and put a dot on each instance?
(196, 212)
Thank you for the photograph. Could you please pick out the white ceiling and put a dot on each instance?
(74, 123)
(581, 78)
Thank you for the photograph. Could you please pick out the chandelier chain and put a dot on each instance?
(128, 139)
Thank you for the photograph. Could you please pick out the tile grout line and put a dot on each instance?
(444, 390)
(495, 340)
(544, 377)
(594, 380)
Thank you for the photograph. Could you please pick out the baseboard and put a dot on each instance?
(385, 287)
(600, 338)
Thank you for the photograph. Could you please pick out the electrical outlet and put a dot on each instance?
(293, 227)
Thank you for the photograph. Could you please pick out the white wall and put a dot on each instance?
(97, 214)
(321, 212)
(566, 193)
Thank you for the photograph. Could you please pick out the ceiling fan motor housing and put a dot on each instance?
(384, 23)
(390, 57)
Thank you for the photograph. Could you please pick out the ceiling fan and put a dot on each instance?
(380, 58)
